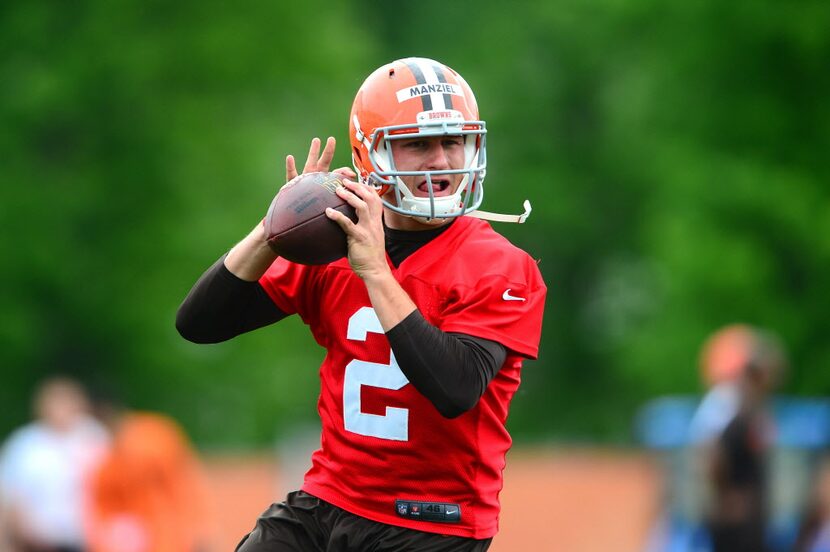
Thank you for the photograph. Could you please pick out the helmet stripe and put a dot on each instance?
(419, 78)
(439, 72)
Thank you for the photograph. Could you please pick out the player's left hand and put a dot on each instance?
(365, 238)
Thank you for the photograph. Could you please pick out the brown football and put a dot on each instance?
(296, 225)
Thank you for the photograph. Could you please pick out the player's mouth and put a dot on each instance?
(439, 187)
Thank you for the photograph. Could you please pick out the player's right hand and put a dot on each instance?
(317, 161)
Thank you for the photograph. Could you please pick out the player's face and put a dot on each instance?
(433, 153)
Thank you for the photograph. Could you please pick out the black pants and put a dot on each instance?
(738, 537)
(304, 523)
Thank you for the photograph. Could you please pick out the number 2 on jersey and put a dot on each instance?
(393, 425)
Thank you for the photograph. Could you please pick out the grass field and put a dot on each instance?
(585, 500)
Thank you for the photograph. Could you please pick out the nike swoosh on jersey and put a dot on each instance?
(507, 297)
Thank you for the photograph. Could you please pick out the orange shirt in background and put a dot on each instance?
(149, 493)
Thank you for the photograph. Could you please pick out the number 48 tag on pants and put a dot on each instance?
(429, 511)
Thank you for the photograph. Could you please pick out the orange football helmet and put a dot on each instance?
(417, 97)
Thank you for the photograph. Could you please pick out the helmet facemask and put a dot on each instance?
(384, 174)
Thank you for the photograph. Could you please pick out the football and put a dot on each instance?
(296, 225)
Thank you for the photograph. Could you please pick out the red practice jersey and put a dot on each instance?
(386, 453)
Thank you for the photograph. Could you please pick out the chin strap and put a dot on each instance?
(498, 217)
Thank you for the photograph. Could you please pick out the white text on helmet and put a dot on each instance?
(421, 89)
(447, 115)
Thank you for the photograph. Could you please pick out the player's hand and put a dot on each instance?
(365, 238)
(317, 161)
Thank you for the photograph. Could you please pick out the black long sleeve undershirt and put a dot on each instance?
(451, 370)
(221, 306)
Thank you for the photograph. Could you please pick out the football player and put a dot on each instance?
(426, 325)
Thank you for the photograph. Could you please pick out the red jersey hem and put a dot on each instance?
(428, 527)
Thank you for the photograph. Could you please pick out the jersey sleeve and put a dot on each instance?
(505, 306)
(291, 287)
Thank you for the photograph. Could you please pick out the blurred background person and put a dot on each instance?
(734, 433)
(43, 469)
(745, 466)
(149, 494)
